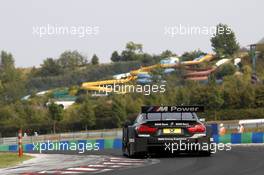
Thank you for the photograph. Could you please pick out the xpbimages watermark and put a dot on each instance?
(81, 147)
(194, 147)
(191, 30)
(126, 88)
(54, 30)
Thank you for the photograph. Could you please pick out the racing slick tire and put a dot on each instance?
(127, 151)
(207, 153)
(131, 153)
(124, 150)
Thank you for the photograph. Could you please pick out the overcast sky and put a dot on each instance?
(120, 21)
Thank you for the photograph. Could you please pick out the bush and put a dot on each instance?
(234, 114)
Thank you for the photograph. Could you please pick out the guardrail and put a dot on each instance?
(231, 127)
(116, 143)
(240, 138)
(111, 138)
(95, 134)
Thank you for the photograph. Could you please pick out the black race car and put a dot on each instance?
(174, 129)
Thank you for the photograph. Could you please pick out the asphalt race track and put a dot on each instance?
(241, 160)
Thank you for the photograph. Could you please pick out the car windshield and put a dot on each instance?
(167, 116)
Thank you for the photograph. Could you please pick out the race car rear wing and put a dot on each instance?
(171, 109)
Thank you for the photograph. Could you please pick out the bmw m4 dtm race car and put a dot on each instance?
(166, 128)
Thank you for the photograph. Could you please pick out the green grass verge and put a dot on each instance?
(11, 159)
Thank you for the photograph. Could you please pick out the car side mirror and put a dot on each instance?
(202, 119)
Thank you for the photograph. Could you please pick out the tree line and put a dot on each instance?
(234, 98)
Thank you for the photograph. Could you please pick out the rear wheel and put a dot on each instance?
(206, 153)
(133, 154)
(130, 151)
(124, 150)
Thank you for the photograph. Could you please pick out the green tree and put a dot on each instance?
(71, 60)
(167, 54)
(87, 115)
(247, 72)
(226, 69)
(1, 87)
(12, 84)
(224, 41)
(133, 51)
(259, 96)
(247, 95)
(105, 117)
(7, 67)
(238, 93)
(7, 60)
(147, 59)
(182, 96)
(50, 67)
(134, 47)
(187, 56)
(110, 112)
(119, 110)
(215, 100)
(56, 114)
(95, 60)
(115, 57)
